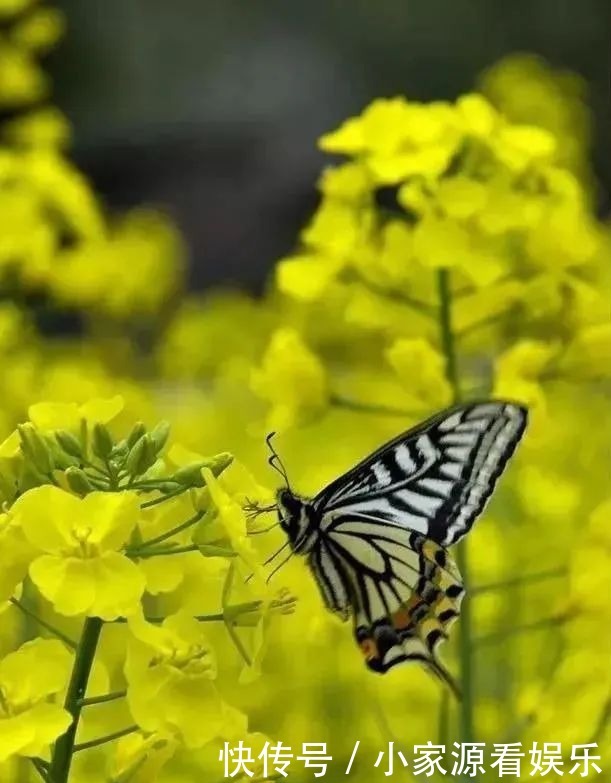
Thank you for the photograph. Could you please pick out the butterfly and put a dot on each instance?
(376, 538)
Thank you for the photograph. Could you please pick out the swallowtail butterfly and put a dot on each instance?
(376, 538)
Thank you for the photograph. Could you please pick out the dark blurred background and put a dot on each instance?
(212, 109)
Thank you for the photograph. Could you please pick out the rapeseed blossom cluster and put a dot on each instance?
(89, 522)
(455, 253)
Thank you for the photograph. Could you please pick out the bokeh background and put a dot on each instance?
(211, 109)
(169, 236)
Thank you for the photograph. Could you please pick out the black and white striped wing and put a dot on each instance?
(434, 479)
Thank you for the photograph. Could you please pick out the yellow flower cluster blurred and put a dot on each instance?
(454, 252)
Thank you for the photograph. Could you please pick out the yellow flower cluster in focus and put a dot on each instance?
(100, 530)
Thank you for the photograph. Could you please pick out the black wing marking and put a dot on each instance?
(434, 479)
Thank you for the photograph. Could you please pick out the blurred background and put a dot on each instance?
(210, 110)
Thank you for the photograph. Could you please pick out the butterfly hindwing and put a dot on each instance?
(403, 591)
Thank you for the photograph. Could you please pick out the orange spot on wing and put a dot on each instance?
(370, 651)
(401, 619)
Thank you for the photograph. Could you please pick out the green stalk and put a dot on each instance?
(85, 653)
(465, 644)
(113, 696)
(519, 581)
(447, 336)
(173, 532)
(29, 613)
(105, 739)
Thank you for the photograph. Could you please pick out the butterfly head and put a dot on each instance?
(296, 519)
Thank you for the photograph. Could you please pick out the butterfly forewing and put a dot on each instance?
(434, 479)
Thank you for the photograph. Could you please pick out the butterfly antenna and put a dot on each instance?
(274, 460)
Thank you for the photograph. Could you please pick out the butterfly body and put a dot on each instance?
(376, 538)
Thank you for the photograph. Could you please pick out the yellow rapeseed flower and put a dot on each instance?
(421, 369)
(80, 569)
(29, 721)
(68, 416)
(17, 554)
(170, 671)
(139, 757)
(291, 378)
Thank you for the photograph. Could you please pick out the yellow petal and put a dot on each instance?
(37, 669)
(16, 733)
(102, 410)
(54, 415)
(49, 721)
(47, 515)
(111, 516)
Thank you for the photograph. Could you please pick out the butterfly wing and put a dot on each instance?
(403, 590)
(434, 479)
(384, 527)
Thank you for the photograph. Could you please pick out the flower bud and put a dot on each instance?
(160, 434)
(78, 481)
(191, 475)
(218, 463)
(69, 443)
(101, 441)
(137, 432)
(213, 550)
(141, 457)
(34, 448)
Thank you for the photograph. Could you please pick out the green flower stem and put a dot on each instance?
(443, 724)
(113, 696)
(229, 621)
(238, 643)
(43, 623)
(230, 614)
(92, 466)
(157, 501)
(174, 531)
(537, 625)
(150, 484)
(106, 738)
(490, 321)
(603, 720)
(465, 645)
(65, 746)
(399, 297)
(41, 767)
(447, 336)
(176, 550)
(337, 401)
(96, 482)
(518, 581)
